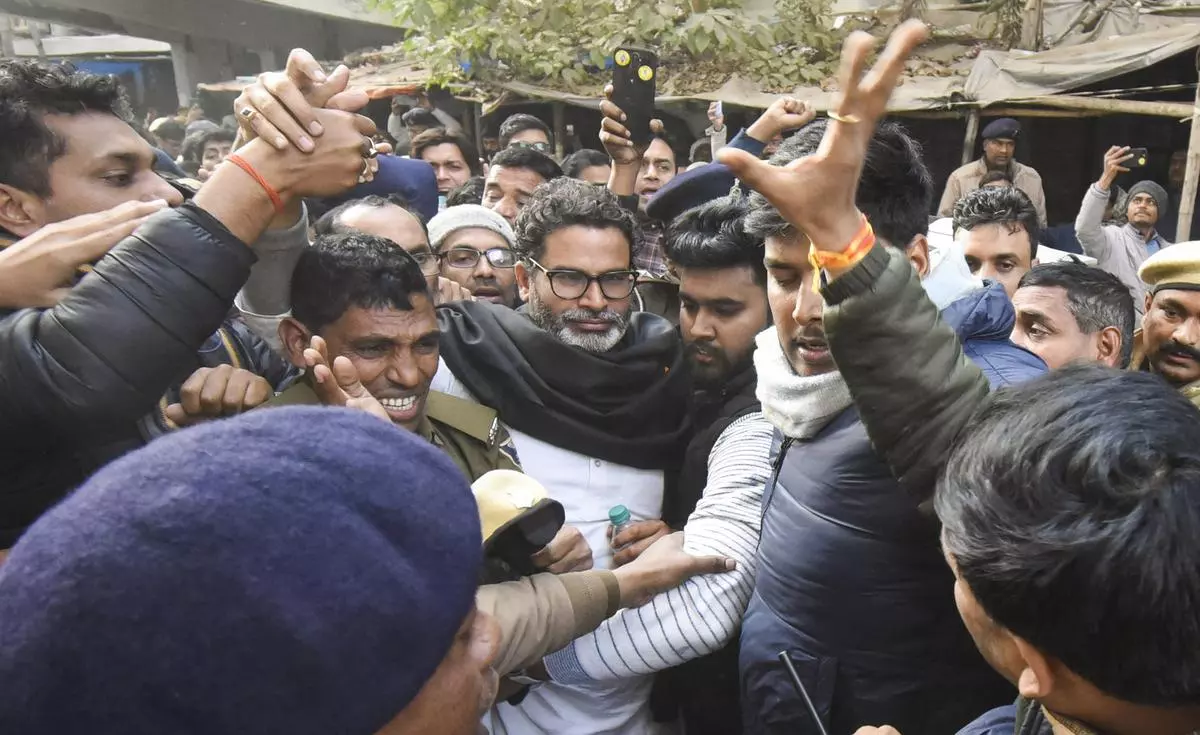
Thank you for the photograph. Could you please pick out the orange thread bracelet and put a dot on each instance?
(244, 165)
(854, 252)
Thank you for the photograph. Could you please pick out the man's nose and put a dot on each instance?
(402, 371)
(593, 298)
(483, 269)
(703, 326)
(160, 189)
(810, 306)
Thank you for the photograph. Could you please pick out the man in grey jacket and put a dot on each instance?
(1121, 249)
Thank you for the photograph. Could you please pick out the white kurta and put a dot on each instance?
(587, 487)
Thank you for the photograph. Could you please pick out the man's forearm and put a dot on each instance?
(704, 614)
(542, 613)
(913, 386)
(112, 346)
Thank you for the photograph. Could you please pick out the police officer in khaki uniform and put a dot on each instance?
(470, 434)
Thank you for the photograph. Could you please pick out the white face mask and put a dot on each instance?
(949, 277)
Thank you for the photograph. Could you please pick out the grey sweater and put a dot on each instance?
(1118, 249)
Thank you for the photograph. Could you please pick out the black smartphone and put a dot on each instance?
(1140, 157)
(635, 76)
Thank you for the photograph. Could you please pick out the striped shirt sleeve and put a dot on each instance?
(702, 615)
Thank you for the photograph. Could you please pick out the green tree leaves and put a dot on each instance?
(566, 43)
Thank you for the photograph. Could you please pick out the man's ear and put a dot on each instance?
(1037, 678)
(1149, 301)
(918, 254)
(21, 213)
(295, 338)
(1108, 346)
(524, 282)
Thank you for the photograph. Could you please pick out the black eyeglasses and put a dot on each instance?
(538, 146)
(572, 284)
(464, 257)
(428, 261)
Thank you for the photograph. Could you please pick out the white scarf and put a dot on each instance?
(799, 406)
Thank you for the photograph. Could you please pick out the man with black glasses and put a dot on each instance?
(475, 246)
(595, 397)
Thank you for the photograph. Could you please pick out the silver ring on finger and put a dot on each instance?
(369, 149)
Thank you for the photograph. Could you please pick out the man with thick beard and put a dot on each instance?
(595, 398)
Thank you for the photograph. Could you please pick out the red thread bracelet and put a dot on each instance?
(244, 165)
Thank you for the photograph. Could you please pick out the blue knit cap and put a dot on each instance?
(298, 570)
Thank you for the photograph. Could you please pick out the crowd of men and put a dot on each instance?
(326, 439)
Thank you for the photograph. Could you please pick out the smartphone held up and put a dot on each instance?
(635, 76)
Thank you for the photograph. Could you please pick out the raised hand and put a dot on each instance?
(212, 393)
(1113, 158)
(40, 269)
(279, 106)
(816, 193)
(785, 113)
(614, 136)
(715, 117)
(338, 384)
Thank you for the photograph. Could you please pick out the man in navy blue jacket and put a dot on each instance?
(851, 582)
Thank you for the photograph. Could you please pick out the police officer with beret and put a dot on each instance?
(999, 148)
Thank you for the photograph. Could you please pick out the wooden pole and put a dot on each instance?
(1177, 110)
(968, 153)
(1187, 200)
(560, 129)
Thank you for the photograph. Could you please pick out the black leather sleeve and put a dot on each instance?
(110, 349)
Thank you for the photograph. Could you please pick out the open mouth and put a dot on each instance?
(812, 350)
(401, 409)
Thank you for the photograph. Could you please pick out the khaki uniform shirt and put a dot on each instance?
(966, 179)
(1138, 361)
(470, 434)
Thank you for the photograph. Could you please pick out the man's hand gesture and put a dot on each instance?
(785, 113)
(615, 136)
(1113, 158)
(816, 194)
(338, 384)
(40, 269)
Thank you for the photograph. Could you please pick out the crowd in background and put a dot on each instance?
(316, 427)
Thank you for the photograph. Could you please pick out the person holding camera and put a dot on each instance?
(1121, 249)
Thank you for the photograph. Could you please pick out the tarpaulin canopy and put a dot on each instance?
(1010, 77)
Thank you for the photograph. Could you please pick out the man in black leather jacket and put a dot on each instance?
(90, 378)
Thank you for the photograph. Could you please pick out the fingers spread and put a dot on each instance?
(854, 60)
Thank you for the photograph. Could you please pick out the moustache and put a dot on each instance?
(1177, 348)
(587, 315)
(703, 348)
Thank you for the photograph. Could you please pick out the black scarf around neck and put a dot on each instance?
(628, 405)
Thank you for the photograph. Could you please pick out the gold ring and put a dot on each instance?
(849, 119)
(248, 112)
